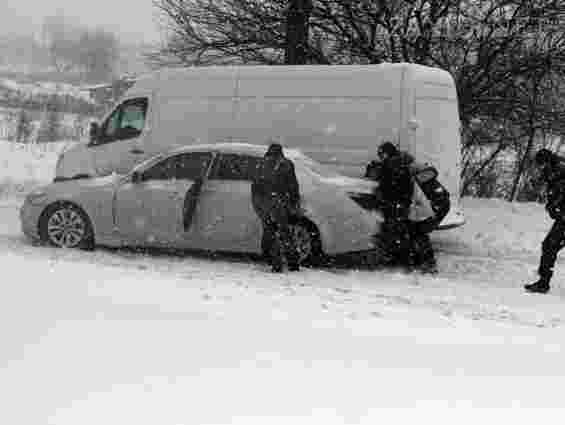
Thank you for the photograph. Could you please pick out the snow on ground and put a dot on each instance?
(25, 166)
(118, 337)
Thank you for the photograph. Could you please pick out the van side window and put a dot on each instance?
(187, 166)
(126, 122)
(235, 167)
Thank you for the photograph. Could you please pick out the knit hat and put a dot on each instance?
(543, 156)
(275, 149)
(388, 149)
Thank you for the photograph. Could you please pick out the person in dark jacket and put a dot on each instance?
(420, 253)
(275, 196)
(438, 196)
(552, 168)
(396, 189)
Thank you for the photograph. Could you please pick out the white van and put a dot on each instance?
(335, 114)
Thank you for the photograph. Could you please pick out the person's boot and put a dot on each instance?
(293, 267)
(429, 267)
(277, 268)
(541, 286)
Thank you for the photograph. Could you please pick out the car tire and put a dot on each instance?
(308, 243)
(64, 225)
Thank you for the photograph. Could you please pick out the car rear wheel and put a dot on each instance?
(307, 242)
(66, 226)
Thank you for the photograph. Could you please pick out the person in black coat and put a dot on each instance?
(552, 168)
(420, 252)
(396, 190)
(275, 196)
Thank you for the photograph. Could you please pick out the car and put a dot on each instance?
(198, 197)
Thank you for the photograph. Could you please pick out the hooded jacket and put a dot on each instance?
(430, 200)
(275, 183)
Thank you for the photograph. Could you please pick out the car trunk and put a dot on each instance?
(362, 191)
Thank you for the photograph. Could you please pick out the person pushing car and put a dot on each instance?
(552, 168)
(275, 196)
(401, 177)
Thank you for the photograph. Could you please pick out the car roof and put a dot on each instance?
(234, 147)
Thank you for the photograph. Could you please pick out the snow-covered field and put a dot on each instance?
(117, 337)
(45, 88)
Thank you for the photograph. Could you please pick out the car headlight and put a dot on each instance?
(37, 198)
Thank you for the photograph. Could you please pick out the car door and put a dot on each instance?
(119, 145)
(225, 218)
(151, 211)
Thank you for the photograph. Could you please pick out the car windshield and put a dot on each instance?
(144, 164)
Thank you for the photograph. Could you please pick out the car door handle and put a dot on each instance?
(176, 196)
(137, 151)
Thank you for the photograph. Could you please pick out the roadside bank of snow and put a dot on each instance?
(23, 167)
(495, 227)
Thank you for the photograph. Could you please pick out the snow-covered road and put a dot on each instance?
(116, 337)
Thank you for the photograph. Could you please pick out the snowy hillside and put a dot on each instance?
(25, 166)
(117, 337)
(45, 88)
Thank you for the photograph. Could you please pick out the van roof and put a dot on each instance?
(152, 80)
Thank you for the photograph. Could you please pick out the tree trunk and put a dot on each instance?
(522, 165)
(297, 19)
(530, 144)
(470, 180)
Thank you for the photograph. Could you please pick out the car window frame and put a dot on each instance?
(214, 172)
(103, 139)
(175, 158)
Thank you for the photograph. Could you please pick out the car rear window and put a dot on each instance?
(235, 167)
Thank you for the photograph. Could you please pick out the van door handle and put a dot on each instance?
(137, 151)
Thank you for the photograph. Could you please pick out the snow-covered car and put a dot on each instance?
(209, 184)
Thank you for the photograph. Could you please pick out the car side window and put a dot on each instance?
(163, 170)
(192, 166)
(187, 166)
(235, 167)
(126, 122)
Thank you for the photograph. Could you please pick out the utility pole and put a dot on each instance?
(298, 15)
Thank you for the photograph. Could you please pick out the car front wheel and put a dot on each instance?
(66, 226)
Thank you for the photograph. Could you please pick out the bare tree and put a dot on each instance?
(297, 22)
(74, 47)
(99, 51)
(23, 126)
(61, 38)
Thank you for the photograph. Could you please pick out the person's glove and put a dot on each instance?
(554, 212)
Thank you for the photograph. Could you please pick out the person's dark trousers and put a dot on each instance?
(423, 251)
(552, 244)
(277, 240)
(392, 243)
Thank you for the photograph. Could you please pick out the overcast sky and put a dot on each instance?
(132, 20)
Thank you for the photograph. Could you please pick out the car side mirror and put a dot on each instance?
(136, 177)
(94, 133)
